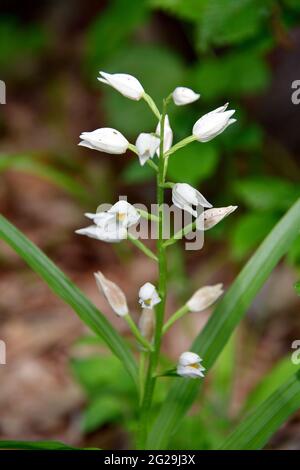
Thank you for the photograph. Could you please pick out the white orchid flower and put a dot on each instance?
(122, 213)
(204, 297)
(212, 124)
(146, 145)
(107, 233)
(182, 95)
(212, 217)
(113, 294)
(127, 85)
(148, 296)
(185, 197)
(106, 140)
(189, 365)
(168, 134)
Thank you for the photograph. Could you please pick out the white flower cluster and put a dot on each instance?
(112, 225)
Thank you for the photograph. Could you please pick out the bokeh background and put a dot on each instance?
(59, 381)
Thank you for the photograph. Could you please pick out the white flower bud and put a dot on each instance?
(212, 217)
(204, 297)
(106, 140)
(212, 124)
(147, 323)
(113, 294)
(146, 145)
(148, 296)
(185, 197)
(189, 365)
(168, 134)
(182, 95)
(126, 84)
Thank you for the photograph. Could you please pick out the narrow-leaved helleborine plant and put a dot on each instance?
(115, 224)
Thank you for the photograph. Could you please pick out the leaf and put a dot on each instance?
(182, 165)
(35, 445)
(267, 193)
(103, 409)
(28, 164)
(255, 431)
(228, 313)
(68, 292)
(185, 9)
(278, 375)
(297, 287)
(249, 231)
(98, 47)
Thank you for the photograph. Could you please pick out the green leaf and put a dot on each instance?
(278, 375)
(249, 231)
(28, 164)
(267, 193)
(68, 292)
(185, 9)
(103, 409)
(182, 165)
(297, 287)
(35, 445)
(228, 313)
(255, 431)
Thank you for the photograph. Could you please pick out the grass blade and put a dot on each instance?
(230, 310)
(255, 431)
(32, 445)
(67, 291)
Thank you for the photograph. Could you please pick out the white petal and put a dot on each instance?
(126, 213)
(148, 296)
(188, 358)
(204, 297)
(147, 145)
(212, 124)
(126, 84)
(190, 372)
(114, 295)
(168, 134)
(107, 233)
(185, 197)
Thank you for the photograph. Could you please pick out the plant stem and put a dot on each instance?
(181, 233)
(176, 316)
(146, 215)
(153, 359)
(136, 332)
(180, 144)
(152, 105)
(140, 245)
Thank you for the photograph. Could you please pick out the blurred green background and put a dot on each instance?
(246, 52)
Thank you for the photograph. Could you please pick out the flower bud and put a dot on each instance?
(204, 297)
(146, 145)
(147, 323)
(168, 135)
(113, 294)
(212, 217)
(105, 233)
(126, 84)
(105, 140)
(148, 296)
(182, 95)
(185, 197)
(212, 124)
(189, 365)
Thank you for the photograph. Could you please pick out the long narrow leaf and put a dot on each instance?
(66, 290)
(255, 431)
(32, 445)
(210, 342)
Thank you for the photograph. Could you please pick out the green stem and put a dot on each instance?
(180, 144)
(142, 247)
(152, 105)
(136, 332)
(147, 215)
(149, 162)
(176, 316)
(181, 233)
(153, 360)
